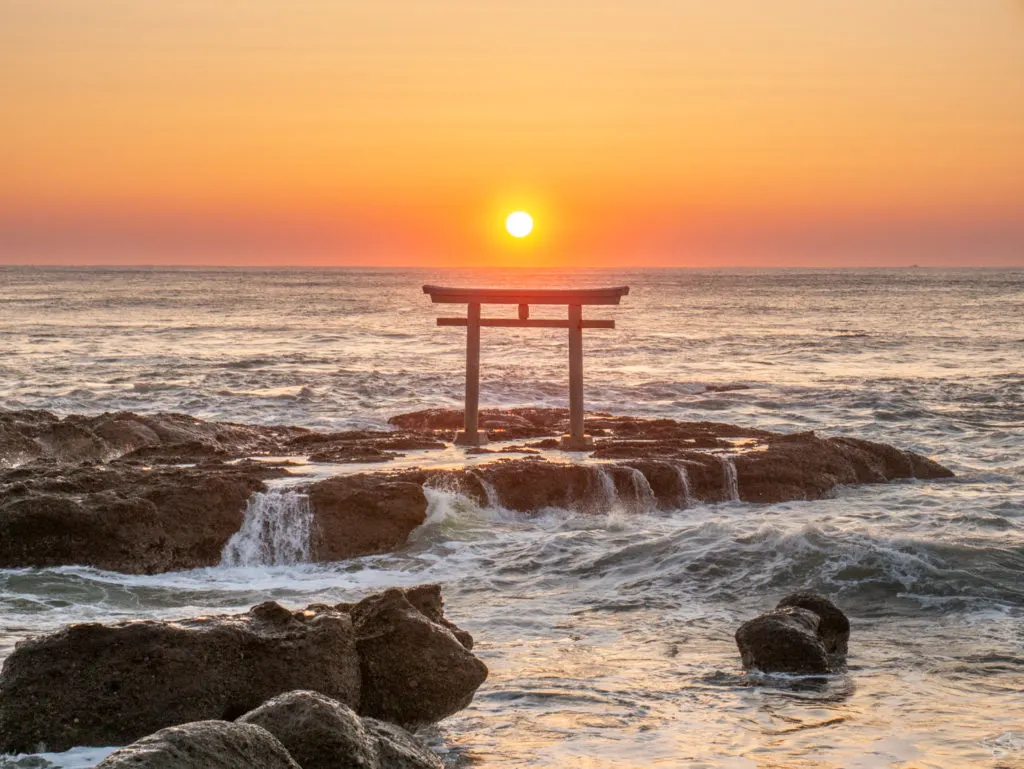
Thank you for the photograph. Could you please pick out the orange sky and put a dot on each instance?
(655, 132)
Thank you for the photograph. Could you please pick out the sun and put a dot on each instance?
(519, 224)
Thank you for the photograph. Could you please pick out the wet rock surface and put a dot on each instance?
(402, 650)
(805, 634)
(833, 625)
(783, 641)
(109, 491)
(93, 684)
(321, 733)
(206, 744)
(126, 519)
(769, 467)
(364, 514)
(124, 437)
(392, 656)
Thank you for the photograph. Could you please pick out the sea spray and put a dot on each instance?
(732, 482)
(275, 531)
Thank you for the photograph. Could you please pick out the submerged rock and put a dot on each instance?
(100, 685)
(783, 641)
(806, 633)
(833, 625)
(415, 671)
(205, 745)
(321, 733)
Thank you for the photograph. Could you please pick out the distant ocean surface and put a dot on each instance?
(609, 637)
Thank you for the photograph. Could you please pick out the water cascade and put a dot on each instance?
(686, 492)
(275, 531)
(605, 495)
(643, 494)
(493, 498)
(732, 482)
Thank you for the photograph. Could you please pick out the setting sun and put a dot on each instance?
(519, 224)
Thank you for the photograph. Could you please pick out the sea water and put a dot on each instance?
(608, 633)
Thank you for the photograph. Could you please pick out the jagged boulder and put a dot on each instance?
(94, 684)
(783, 641)
(321, 733)
(806, 633)
(203, 745)
(833, 625)
(415, 671)
(364, 514)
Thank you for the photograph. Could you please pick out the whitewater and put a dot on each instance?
(608, 632)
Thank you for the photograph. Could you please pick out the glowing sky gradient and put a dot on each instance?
(655, 132)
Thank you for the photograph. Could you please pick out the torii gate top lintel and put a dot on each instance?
(574, 299)
(581, 296)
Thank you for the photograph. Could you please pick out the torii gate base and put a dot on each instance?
(471, 435)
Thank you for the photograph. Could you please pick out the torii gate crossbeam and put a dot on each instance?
(573, 299)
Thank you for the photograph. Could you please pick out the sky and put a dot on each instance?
(671, 133)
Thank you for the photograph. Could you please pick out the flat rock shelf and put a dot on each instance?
(148, 494)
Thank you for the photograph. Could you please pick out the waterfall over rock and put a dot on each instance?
(605, 495)
(644, 499)
(732, 483)
(275, 531)
(686, 495)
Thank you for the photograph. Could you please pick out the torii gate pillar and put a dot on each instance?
(471, 435)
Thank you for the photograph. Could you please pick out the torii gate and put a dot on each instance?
(574, 299)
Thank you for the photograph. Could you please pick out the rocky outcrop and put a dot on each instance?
(147, 520)
(833, 625)
(392, 656)
(364, 514)
(97, 684)
(321, 733)
(783, 641)
(126, 519)
(805, 634)
(143, 513)
(402, 650)
(27, 436)
(206, 744)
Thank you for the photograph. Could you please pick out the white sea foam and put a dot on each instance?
(276, 531)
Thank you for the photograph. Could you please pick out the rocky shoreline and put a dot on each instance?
(392, 657)
(149, 494)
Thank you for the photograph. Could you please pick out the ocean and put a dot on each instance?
(609, 637)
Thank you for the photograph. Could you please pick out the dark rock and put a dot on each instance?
(398, 749)
(783, 641)
(203, 745)
(97, 684)
(427, 600)
(321, 733)
(318, 732)
(155, 437)
(123, 519)
(833, 628)
(401, 650)
(364, 514)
